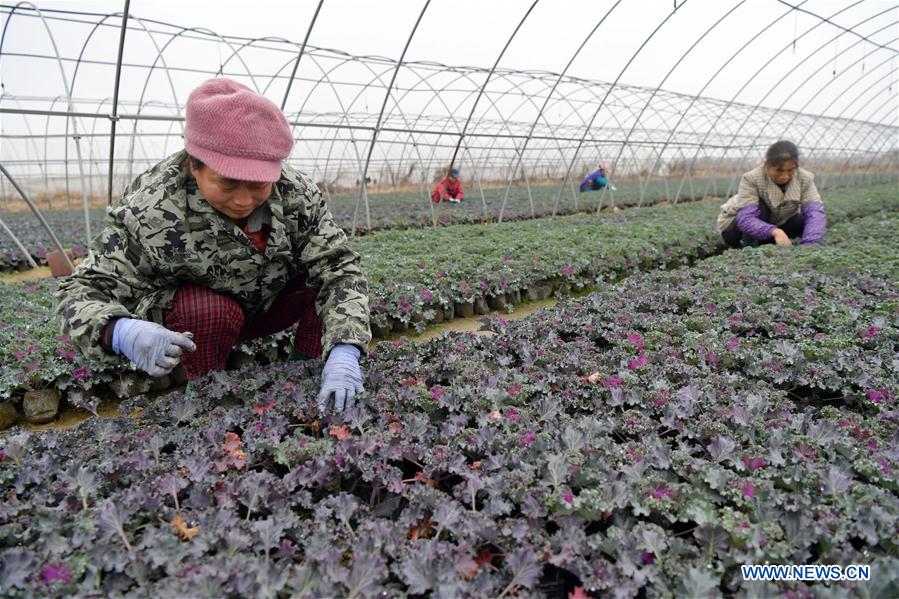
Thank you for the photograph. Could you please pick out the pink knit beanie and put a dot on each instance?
(236, 132)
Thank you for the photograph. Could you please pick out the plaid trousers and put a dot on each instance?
(218, 323)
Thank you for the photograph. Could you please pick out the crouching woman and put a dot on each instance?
(217, 244)
(776, 201)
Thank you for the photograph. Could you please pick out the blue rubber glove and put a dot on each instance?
(154, 348)
(341, 378)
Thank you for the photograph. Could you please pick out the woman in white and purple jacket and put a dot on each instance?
(776, 201)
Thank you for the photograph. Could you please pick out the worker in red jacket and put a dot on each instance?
(449, 189)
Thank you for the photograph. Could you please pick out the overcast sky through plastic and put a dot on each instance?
(473, 32)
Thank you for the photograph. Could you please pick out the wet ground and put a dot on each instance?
(468, 325)
(26, 275)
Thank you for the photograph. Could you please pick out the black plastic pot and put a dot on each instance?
(464, 309)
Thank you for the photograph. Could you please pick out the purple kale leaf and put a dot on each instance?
(363, 579)
(524, 567)
(836, 481)
(721, 448)
(421, 569)
(112, 519)
(15, 568)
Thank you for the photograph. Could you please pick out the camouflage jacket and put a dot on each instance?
(164, 233)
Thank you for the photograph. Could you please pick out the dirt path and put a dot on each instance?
(70, 417)
(32, 274)
(467, 325)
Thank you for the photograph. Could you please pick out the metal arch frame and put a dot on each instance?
(489, 76)
(274, 77)
(362, 90)
(856, 81)
(527, 98)
(626, 106)
(425, 170)
(90, 147)
(160, 52)
(39, 216)
(363, 195)
(518, 151)
(765, 64)
(874, 156)
(70, 108)
(115, 101)
(665, 78)
(543, 108)
(296, 63)
(692, 120)
(696, 96)
(828, 21)
(776, 111)
(71, 91)
(3, 40)
(831, 81)
(166, 136)
(527, 139)
(889, 73)
(815, 120)
(505, 124)
(46, 133)
(344, 112)
(888, 100)
(608, 92)
(613, 116)
(236, 53)
(460, 74)
(160, 57)
(832, 145)
(704, 115)
(787, 126)
(34, 143)
(553, 129)
(18, 243)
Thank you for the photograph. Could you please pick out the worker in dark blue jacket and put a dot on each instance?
(597, 180)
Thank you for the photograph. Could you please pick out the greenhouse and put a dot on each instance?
(449, 299)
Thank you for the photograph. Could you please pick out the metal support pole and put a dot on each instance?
(38, 214)
(19, 244)
(115, 99)
(374, 136)
(296, 64)
(487, 80)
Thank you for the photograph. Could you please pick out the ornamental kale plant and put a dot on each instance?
(35, 354)
(412, 284)
(412, 272)
(396, 210)
(644, 440)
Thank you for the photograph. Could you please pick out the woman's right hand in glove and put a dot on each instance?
(155, 349)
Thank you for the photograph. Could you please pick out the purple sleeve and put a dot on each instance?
(815, 222)
(749, 222)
